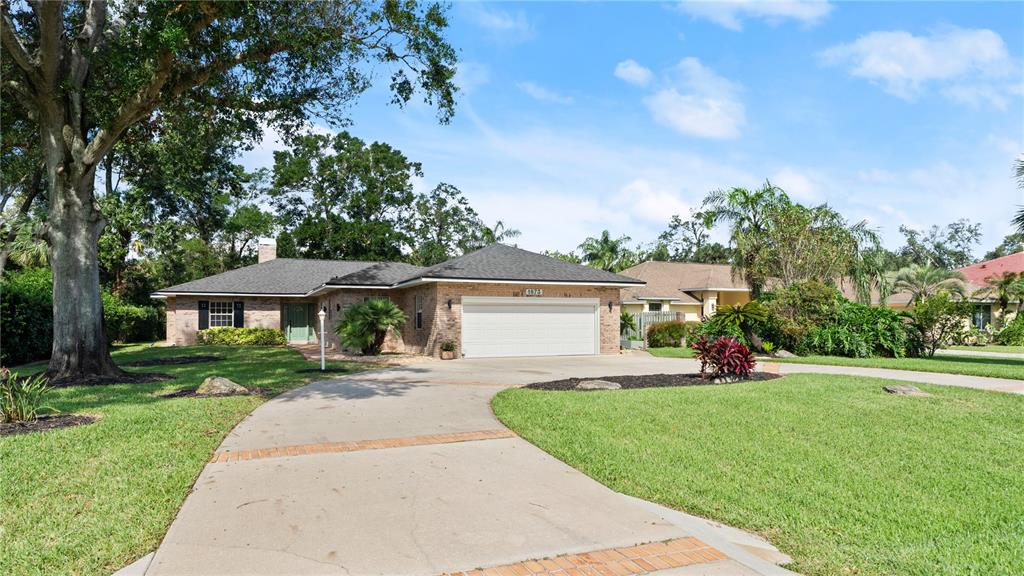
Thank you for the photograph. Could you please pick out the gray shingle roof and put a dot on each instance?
(291, 276)
(277, 276)
(501, 262)
(377, 274)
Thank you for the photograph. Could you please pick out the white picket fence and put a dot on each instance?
(644, 321)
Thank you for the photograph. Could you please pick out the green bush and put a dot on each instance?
(1013, 333)
(125, 322)
(228, 336)
(939, 320)
(26, 316)
(666, 334)
(713, 329)
(366, 324)
(835, 340)
(22, 398)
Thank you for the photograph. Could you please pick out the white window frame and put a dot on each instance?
(222, 311)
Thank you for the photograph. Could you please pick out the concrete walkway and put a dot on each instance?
(978, 382)
(406, 471)
(982, 353)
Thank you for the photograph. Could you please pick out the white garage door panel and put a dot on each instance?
(491, 329)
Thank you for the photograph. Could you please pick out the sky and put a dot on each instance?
(577, 117)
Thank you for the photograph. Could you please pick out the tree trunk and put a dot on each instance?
(75, 222)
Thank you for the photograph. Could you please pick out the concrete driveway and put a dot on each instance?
(406, 471)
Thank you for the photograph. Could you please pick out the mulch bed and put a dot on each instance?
(43, 423)
(175, 360)
(646, 381)
(126, 378)
(191, 393)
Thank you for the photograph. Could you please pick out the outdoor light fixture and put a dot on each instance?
(449, 303)
(609, 305)
(337, 307)
(323, 339)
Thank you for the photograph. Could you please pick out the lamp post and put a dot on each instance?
(323, 339)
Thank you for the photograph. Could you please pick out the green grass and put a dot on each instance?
(91, 499)
(840, 475)
(671, 352)
(992, 348)
(967, 365)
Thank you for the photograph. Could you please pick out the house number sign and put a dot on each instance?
(534, 292)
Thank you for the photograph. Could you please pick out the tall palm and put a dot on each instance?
(1004, 288)
(604, 252)
(746, 212)
(924, 281)
(497, 233)
(1018, 220)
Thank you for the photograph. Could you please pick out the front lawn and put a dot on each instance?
(991, 348)
(91, 499)
(671, 352)
(996, 367)
(840, 475)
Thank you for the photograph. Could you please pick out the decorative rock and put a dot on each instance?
(725, 379)
(905, 390)
(597, 385)
(219, 386)
(780, 353)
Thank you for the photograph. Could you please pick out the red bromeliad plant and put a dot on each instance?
(723, 357)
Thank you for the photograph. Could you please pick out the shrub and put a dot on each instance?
(834, 340)
(26, 316)
(858, 331)
(366, 324)
(713, 329)
(125, 322)
(627, 323)
(938, 321)
(666, 334)
(723, 357)
(448, 346)
(22, 398)
(241, 336)
(1013, 333)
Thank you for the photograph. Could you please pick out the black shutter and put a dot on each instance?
(239, 314)
(204, 314)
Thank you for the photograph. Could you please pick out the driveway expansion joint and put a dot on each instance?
(626, 561)
(358, 445)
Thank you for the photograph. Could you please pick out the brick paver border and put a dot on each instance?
(359, 445)
(640, 559)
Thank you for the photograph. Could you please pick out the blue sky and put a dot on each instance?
(579, 117)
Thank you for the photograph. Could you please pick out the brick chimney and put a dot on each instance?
(268, 250)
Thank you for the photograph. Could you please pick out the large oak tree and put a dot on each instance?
(86, 72)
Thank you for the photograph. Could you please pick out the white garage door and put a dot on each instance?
(494, 327)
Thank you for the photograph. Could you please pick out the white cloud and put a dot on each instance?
(646, 202)
(968, 63)
(801, 185)
(697, 102)
(632, 72)
(538, 92)
(731, 13)
(471, 75)
(504, 26)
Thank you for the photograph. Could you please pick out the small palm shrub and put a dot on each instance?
(713, 329)
(627, 324)
(723, 357)
(22, 398)
(1013, 333)
(666, 334)
(366, 325)
(228, 336)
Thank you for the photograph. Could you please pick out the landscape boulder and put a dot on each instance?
(905, 390)
(597, 385)
(219, 386)
(781, 353)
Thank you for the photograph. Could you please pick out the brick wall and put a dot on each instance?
(183, 315)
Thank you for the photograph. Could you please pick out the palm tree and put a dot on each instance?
(497, 233)
(366, 325)
(744, 316)
(746, 212)
(924, 281)
(1018, 220)
(604, 252)
(1005, 288)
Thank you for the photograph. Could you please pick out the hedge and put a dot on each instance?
(26, 317)
(241, 336)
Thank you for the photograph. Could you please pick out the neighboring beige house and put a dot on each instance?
(695, 290)
(497, 301)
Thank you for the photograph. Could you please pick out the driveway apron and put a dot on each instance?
(406, 471)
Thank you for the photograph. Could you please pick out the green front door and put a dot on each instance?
(298, 322)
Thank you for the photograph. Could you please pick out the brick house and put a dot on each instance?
(497, 301)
